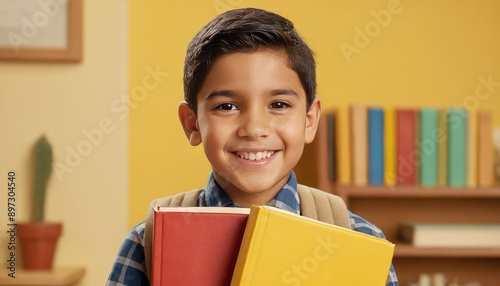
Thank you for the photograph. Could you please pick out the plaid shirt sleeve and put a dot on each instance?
(360, 224)
(129, 266)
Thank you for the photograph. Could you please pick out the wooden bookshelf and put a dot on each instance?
(416, 192)
(388, 207)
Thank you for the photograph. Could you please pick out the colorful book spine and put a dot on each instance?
(406, 147)
(375, 146)
(359, 143)
(416, 157)
(343, 146)
(457, 126)
(485, 147)
(428, 147)
(442, 140)
(389, 147)
(332, 149)
(471, 154)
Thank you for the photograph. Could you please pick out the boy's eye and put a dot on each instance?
(279, 105)
(226, 106)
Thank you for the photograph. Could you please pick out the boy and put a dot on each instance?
(250, 99)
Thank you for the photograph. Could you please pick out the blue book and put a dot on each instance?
(375, 146)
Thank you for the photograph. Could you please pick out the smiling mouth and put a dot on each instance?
(255, 156)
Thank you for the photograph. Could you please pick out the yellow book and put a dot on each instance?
(282, 248)
(389, 147)
(343, 147)
(442, 140)
(471, 157)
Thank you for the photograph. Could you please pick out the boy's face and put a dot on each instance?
(252, 122)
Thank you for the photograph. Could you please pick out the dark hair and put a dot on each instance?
(246, 30)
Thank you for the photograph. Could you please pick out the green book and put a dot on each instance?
(428, 147)
(457, 130)
(442, 139)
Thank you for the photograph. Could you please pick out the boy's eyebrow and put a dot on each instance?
(284, 92)
(216, 93)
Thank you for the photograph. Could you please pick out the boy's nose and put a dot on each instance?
(254, 125)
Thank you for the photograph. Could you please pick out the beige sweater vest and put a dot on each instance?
(314, 204)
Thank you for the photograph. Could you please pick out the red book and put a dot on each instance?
(196, 245)
(406, 146)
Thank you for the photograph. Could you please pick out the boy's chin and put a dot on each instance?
(256, 189)
(249, 185)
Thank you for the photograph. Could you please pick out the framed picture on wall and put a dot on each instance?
(41, 30)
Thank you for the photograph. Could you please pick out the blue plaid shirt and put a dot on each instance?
(129, 266)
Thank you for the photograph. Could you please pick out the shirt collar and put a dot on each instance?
(287, 198)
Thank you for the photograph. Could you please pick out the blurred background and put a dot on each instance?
(128, 85)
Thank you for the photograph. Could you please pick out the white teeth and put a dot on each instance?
(258, 156)
(255, 156)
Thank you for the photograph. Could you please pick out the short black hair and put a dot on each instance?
(246, 30)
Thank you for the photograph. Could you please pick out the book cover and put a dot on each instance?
(485, 145)
(450, 235)
(332, 148)
(428, 147)
(343, 146)
(457, 128)
(416, 157)
(496, 153)
(406, 147)
(471, 150)
(375, 146)
(282, 248)
(196, 245)
(359, 143)
(442, 139)
(389, 147)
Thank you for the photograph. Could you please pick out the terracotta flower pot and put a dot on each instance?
(38, 243)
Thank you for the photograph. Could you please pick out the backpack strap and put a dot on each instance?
(187, 199)
(323, 206)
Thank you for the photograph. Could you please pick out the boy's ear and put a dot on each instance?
(189, 123)
(312, 120)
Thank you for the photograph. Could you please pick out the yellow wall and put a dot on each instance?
(428, 53)
(62, 101)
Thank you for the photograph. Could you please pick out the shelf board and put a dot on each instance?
(407, 250)
(59, 276)
(416, 192)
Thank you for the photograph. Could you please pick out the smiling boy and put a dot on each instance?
(250, 100)
(253, 121)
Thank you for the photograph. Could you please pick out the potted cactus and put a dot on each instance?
(38, 238)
